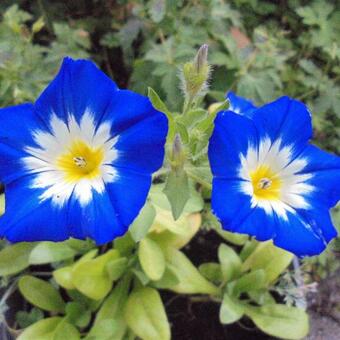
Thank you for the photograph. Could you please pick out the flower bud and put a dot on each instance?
(195, 74)
(177, 154)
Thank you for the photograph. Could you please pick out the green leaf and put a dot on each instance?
(167, 281)
(230, 262)
(116, 268)
(271, 259)
(26, 319)
(65, 330)
(49, 252)
(231, 310)
(14, 259)
(190, 279)
(159, 105)
(211, 271)
(114, 303)
(251, 281)
(77, 314)
(151, 258)
(141, 225)
(63, 277)
(41, 294)
(261, 297)
(238, 239)
(125, 244)
(145, 315)
(91, 278)
(168, 232)
(177, 191)
(158, 199)
(42, 330)
(109, 329)
(280, 320)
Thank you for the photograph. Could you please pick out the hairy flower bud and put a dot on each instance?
(195, 74)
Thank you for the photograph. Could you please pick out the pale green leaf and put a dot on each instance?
(231, 310)
(42, 330)
(211, 271)
(250, 281)
(49, 252)
(145, 315)
(41, 294)
(143, 222)
(271, 259)
(230, 262)
(190, 279)
(116, 268)
(91, 278)
(151, 258)
(177, 191)
(14, 258)
(280, 320)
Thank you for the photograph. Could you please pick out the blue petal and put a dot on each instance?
(141, 147)
(97, 220)
(240, 105)
(79, 86)
(233, 208)
(325, 171)
(128, 195)
(287, 119)
(232, 136)
(229, 203)
(27, 219)
(16, 126)
(305, 233)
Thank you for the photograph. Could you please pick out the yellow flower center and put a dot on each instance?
(266, 184)
(80, 161)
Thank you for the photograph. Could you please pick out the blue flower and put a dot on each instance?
(78, 163)
(269, 182)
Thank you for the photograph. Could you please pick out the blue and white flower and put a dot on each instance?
(78, 163)
(269, 182)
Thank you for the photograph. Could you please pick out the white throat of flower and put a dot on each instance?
(272, 178)
(72, 159)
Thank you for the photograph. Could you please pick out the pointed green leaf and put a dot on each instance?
(41, 294)
(143, 222)
(231, 310)
(116, 268)
(230, 262)
(114, 303)
(190, 279)
(167, 281)
(211, 271)
(151, 258)
(177, 191)
(145, 315)
(157, 103)
(250, 281)
(271, 259)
